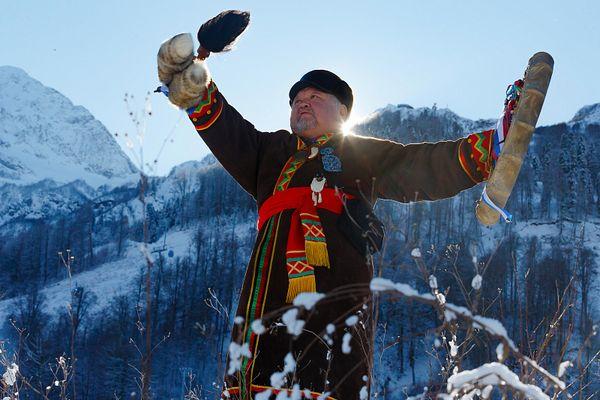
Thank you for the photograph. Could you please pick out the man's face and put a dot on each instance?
(315, 113)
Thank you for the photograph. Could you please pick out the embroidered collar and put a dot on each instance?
(303, 143)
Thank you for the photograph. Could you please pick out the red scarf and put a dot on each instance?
(306, 244)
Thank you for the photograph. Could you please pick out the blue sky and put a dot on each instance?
(458, 54)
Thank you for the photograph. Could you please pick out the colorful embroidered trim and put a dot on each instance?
(227, 393)
(208, 110)
(296, 161)
(304, 250)
(259, 287)
(474, 156)
(287, 173)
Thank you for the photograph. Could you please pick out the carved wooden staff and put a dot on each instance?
(503, 177)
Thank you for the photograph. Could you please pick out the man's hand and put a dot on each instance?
(186, 77)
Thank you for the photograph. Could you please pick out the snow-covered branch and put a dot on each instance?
(493, 372)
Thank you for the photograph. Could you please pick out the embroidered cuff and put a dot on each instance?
(475, 155)
(208, 110)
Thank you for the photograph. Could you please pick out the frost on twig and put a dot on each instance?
(10, 376)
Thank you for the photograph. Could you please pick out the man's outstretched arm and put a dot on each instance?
(430, 171)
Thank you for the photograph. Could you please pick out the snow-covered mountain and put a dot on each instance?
(43, 135)
(54, 155)
(411, 124)
(404, 113)
(41, 199)
(587, 116)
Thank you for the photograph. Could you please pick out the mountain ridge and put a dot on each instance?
(43, 135)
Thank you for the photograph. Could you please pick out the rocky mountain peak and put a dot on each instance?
(43, 135)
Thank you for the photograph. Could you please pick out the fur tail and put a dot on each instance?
(220, 33)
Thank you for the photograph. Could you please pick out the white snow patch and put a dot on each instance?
(346, 349)
(330, 328)
(258, 327)
(440, 298)
(485, 393)
(476, 282)
(278, 378)
(433, 282)
(10, 376)
(490, 325)
(562, 368)
(236, 352)
(453, 347)
(307, 300)
(500, 352)
(351, 320)
(363, 393)
(294, 325)
(382, 284)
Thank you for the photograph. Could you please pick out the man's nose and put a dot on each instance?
(303, 104)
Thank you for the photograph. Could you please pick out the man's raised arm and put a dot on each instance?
(187, 82)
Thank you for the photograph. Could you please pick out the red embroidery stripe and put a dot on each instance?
(212, 120)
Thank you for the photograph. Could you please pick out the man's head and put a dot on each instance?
(321, 102)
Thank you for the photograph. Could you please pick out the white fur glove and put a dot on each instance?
(186, 77)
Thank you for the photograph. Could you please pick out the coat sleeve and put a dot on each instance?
(233, 140)
(430, 171)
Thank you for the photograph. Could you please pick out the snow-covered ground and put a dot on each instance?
(116, 278)
(107, 281)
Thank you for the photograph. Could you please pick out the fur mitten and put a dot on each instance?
(186, 78)
(188, 87)
(175, 55)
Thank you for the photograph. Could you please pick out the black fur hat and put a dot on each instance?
(327, 82)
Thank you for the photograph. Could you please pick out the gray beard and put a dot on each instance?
(303, 124)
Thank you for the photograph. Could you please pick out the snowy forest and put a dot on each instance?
(75, 257)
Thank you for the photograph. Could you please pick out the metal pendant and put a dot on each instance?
(313, 152)
(317, 185)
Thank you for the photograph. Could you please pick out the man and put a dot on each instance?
(310, 240)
